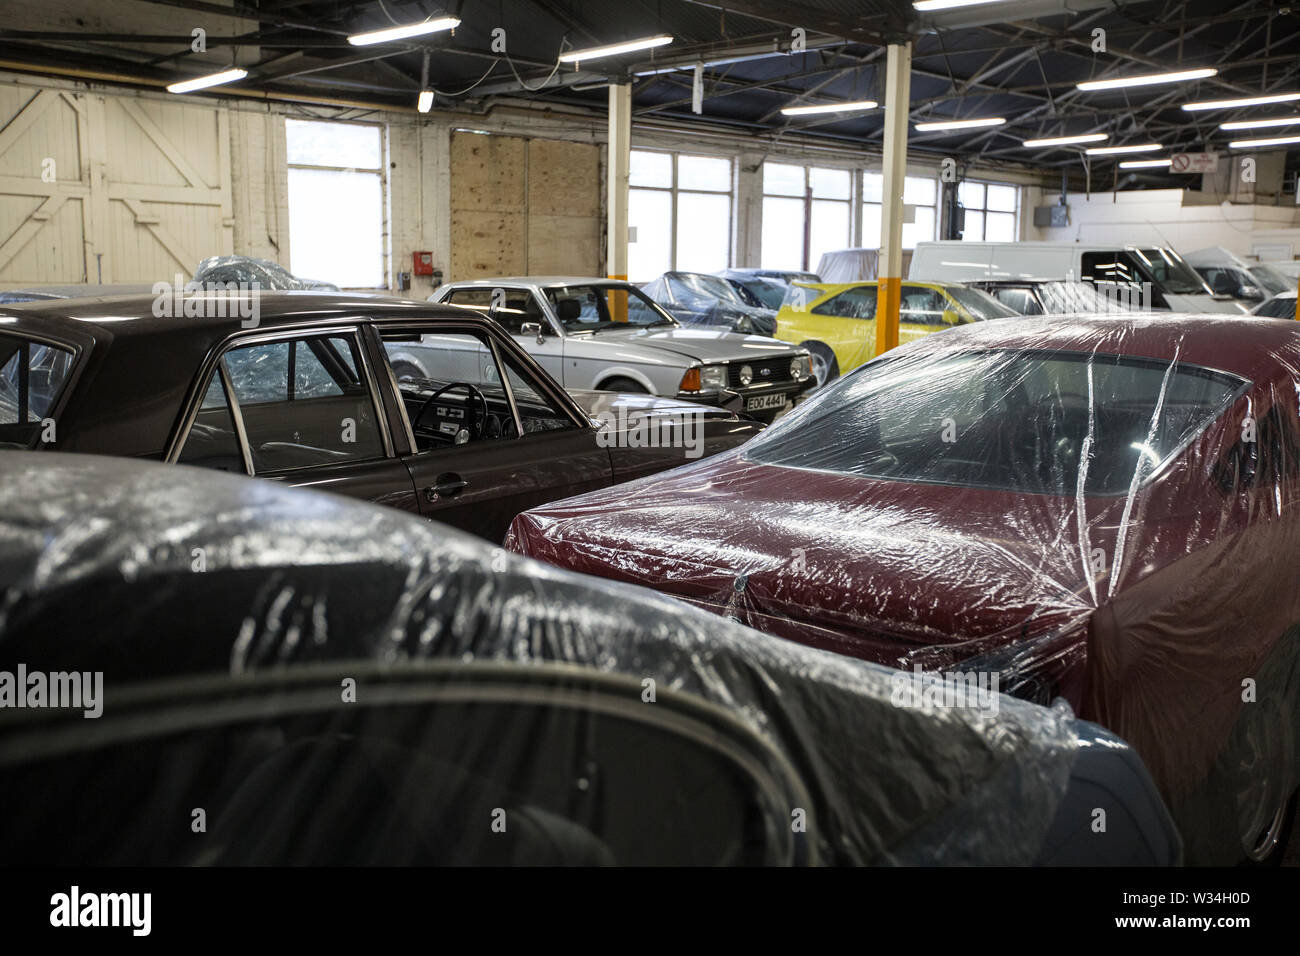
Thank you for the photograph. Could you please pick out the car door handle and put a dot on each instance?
(447, 485)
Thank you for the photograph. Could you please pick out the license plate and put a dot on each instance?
(759, 402)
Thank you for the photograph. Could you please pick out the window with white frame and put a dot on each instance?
(920, 192)
(336, 202)
(680, 207)
(807, 211)
(990, 211)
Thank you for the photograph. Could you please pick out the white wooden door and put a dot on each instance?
(98, 188)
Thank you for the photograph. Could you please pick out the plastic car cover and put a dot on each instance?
(1103, 508)
(693, 309)
(98, 559)
(246, 269)
(849, 265)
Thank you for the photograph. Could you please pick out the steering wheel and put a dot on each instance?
(473, 426)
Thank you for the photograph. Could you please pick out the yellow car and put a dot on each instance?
(836, 322)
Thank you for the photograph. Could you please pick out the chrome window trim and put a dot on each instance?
(504, 375)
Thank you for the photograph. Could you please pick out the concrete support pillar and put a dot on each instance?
(898, 75)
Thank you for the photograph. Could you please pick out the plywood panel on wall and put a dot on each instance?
(523, 206)
(563, 208)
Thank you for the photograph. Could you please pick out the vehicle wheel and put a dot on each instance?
(1272, 843)
(623, 385)
(825, 366)
(404, 370)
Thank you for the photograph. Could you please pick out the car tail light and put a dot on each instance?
(691, 380)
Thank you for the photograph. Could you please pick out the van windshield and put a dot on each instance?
(1171, 272)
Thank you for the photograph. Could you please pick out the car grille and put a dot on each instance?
(766, 371)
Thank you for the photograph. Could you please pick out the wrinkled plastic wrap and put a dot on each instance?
(98, 559)
(690, 308)
(1105, 509)
(247, 270)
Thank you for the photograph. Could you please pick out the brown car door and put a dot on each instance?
(300, 408)
(489, 443)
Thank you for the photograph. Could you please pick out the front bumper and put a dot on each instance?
(738, 399)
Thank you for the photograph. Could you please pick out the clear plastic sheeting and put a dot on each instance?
(1105, 509)
(610, 724)
(247, 271)
(697, 299)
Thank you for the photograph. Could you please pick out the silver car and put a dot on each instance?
(608, 335)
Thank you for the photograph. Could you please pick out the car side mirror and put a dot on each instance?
(1252, 292)
(533, 328)
(950, 317)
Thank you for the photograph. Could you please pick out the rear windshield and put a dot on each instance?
(1041, 422)
(32, 377)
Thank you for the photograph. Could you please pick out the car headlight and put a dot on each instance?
(800, 367)
(713, 376)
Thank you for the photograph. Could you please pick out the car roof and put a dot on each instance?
(542, 281)
(123, 316)
(1247, 346)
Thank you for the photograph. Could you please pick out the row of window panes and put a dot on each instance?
(702, 173)
(701, 188)
(335, 176)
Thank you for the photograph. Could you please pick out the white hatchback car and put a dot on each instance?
(604, 334)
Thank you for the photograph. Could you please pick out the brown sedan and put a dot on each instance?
(303, 392)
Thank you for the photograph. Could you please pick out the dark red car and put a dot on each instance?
(1104, 509)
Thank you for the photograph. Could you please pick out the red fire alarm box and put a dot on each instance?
(423, 264)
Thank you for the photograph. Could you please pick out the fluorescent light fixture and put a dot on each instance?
(425, 103)
(389, 34)
(1261, 123)
(830, 108)
(1247, 101)
(614, 49)
(925, 6)
(1116, 150)
(1252, 143)
(203, 82)
(1068, 140)
(1150, 79)
(1144, 163)
(959, 124)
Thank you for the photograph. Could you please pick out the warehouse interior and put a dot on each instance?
(652, 433)
(86, 89)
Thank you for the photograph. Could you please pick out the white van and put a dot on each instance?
(1174, 284)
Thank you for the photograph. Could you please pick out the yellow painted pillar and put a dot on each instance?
(620, 159)
(898, 76)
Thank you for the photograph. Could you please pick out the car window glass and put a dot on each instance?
(921, 306)
(212, 441)
(325, 424)
(1048, 423)
(456, 396)
(28, 398)
(509, 308)
(599, 308)
(1020, 300)
(857, 303)
(537, 412)
(398, 784)
(310, 377)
